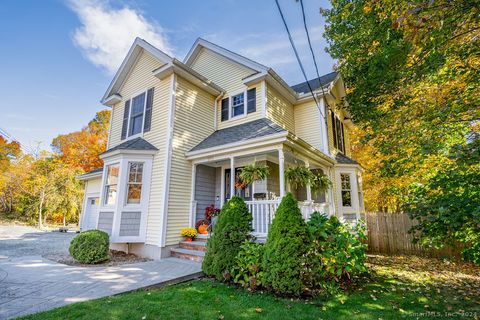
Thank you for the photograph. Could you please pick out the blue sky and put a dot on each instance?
(58, 57)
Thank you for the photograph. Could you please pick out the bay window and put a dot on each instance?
(346, 190)
(111, 184)
(134, 182)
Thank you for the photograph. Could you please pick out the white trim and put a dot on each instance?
(232, 177)
(191, 221)
(116, 152)
(112, 100)
(222, 186)
(281, 171)
(263, 88)
(168, 158)
(251, 143)
(88, 176)
(230, 105)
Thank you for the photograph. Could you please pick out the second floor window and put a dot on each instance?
(338, 133)
(136, 115)
(238, 106)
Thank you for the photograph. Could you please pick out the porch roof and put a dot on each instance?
(242, 132)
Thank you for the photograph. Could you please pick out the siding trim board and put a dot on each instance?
(166, 185)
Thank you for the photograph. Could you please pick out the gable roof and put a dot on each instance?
(132, 55)
(202, 43)
(246, 131)
(315, 84)
(137, 144)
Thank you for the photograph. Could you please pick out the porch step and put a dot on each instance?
(202, 237)
(188, 254)
(194, 245)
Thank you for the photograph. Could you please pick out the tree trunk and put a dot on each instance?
(64, 219)
(40, 222)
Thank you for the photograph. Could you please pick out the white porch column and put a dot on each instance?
(281, 173)
(308, 187)
(191, 221)
(232, 177)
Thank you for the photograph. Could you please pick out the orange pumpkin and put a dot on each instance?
(202, 229)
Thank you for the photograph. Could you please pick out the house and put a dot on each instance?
(180, 133)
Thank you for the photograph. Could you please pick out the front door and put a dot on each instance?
(91, 214)
(242, 191)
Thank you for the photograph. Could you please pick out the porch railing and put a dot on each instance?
(263, 212)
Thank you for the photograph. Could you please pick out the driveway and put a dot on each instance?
(29, 283)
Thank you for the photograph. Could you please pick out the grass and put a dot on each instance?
(398, 287)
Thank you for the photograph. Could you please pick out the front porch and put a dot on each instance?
(213, 184)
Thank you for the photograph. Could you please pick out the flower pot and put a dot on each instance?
(188, 239)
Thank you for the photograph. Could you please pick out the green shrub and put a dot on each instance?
(286, 246)
(90, 247)
(336, 254)
(248, 265)
(231, 230)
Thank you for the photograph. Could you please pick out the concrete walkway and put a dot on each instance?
(33, 284)
(30, 283)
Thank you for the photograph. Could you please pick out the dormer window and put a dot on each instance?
(338, 133)
(238, 107)
(239, 104)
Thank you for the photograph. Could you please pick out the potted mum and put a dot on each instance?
(189, 234)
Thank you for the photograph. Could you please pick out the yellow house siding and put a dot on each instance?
(141, 79)
(242, 119)
(307, 123)
(228, 75)
(193, 122)
(279, 110)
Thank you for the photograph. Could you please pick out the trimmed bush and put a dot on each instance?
(248, 265)
(90, 247)
(337, 253)
(231, 230)
(285, 250)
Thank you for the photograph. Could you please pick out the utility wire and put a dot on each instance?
(298, 58)
(313, 54)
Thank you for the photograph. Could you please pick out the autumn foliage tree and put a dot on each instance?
(411, 68)
(80, 149)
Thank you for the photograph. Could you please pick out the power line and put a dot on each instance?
(298, 58)
(311, 51)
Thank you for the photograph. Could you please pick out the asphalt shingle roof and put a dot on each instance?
(134, 144)
(246, 131)
(315, 83)
(343, 159)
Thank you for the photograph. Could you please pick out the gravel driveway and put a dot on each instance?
(21, 241)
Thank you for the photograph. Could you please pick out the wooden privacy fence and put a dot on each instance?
(388, 234)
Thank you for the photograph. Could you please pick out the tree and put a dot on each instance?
(285, 249)
(81, 149)
(411, 68)
(230, 232)
(9, 151)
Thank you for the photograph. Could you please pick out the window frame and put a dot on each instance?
(128, 183)
(132, 136)
(342, 189)
(107, 185)
(338, 132)
(231, 106)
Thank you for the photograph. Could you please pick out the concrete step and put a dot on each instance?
(187, 254)
(202, 237)
(194, 245)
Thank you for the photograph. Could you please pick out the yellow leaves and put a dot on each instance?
(367, 9)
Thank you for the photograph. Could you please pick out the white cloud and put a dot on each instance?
(107, 33)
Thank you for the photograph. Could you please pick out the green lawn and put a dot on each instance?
(397, 288)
